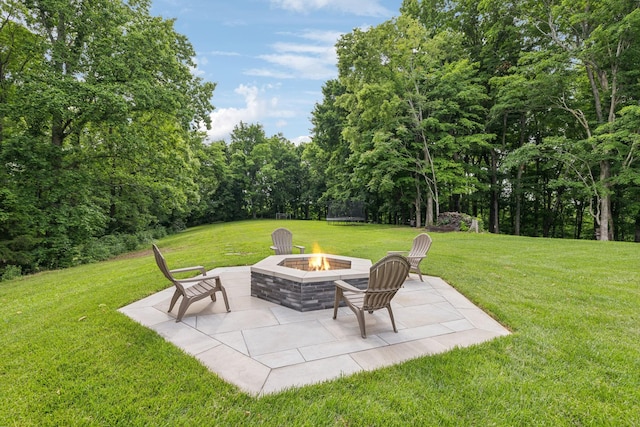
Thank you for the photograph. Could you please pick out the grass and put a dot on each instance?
(70, 358)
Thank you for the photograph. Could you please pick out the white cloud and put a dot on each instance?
(326, 37)
(305, 67)
(259, 107)
(312, 61)
(304, 55)
(196, 70)
(357, 7)
(265, 72)
(299, 140)
(299, 48)
(223, 53)
(223, 120)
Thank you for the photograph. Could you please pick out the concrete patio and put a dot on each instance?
(265, 348)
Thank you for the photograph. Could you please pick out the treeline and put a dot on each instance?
(524, 114)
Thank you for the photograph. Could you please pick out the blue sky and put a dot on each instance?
(269, 58)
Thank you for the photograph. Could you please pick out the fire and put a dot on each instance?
(318, 261)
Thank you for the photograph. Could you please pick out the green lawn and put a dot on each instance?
(70, 358)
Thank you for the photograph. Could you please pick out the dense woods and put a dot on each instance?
(525, 114)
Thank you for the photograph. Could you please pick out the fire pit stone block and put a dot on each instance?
(304, 290)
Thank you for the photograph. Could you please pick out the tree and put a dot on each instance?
(100, 125)
(328, 155)
(415, 108)
(212, 177)
(595, 42)
(265, 172)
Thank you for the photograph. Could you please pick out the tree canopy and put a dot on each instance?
(99, 126)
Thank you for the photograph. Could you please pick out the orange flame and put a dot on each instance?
(318, 261)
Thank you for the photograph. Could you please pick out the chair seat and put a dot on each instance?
(205, 287)
(354, 298)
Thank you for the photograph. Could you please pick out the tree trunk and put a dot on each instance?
(546, 218)
(606, 219)
(456, 205)
(518, 195)
(518, 189)
(578, 223)
(57, 130)
(429, 219)
(495, 194)
(418, 202)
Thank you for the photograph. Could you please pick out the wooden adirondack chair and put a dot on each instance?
(283, 242)
(418, 252)
(204, 286)
(385, 279)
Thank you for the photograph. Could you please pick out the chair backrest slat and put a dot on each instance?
(162, 265)
(420, 246)
(385, 279)
(282, 241)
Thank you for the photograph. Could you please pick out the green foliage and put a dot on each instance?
(11, 272)
(415, 111)
(268, 175)
(99, 117)
(112, 245)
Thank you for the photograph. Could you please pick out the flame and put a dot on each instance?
(318, 261)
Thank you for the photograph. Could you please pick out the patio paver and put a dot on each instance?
(265, 348)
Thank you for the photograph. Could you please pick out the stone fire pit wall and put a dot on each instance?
(304, 290)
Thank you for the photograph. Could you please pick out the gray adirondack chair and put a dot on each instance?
(283, 242)
(203, 286)
(418, 252)
(385, 279)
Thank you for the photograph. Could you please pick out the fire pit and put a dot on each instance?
(305, 282)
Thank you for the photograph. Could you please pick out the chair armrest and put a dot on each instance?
(197, 278)
(197, 267)
(299, 247)
(273, 248)
(397, 252)
(347, 287)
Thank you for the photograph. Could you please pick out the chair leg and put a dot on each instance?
(183, 308)
(417, 270)
(174, 298)
(220, 288)
(224, 296)
(393, 322)
(360, 316)
(336, 303)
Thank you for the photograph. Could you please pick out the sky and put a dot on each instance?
(268, 58)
